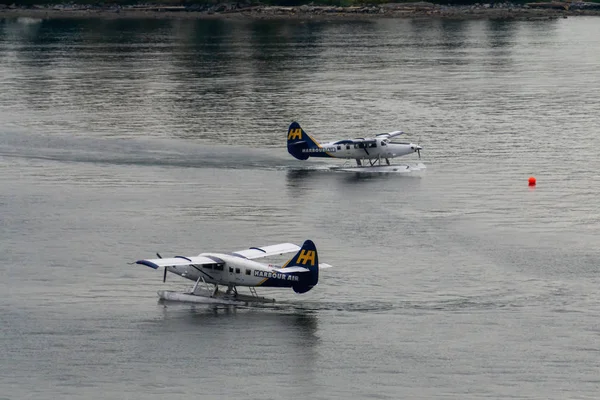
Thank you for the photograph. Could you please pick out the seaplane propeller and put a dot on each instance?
(165, 273)
(419, 148)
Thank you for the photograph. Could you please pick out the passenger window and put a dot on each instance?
(237, 270)
(230, 270)
(339, 147)
(248, 271)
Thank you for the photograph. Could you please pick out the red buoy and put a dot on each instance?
(531, 181)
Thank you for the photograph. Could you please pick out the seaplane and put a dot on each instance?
(367, 151)
(209, 270)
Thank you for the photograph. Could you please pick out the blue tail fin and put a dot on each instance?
(298, 142)
(308, 258)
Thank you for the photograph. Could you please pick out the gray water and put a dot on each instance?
(122, 138)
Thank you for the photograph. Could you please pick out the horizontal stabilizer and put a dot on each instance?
(323, 265)
(266, 251)
(289, 270)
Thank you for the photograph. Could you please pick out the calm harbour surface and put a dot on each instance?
(121, 138)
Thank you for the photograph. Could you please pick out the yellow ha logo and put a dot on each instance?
(295, 134)
(306, 256)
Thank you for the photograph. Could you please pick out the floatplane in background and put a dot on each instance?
(301, 273)
(368, 151)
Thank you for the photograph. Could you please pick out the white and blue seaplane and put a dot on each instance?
(368, 151)
(301, 273)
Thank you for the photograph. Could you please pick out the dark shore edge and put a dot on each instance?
(502, 11)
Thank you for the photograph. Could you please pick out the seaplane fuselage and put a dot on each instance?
(365, 149)
(228, 269)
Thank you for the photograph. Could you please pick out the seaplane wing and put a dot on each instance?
(176, 261)
(266, 251)
(358, 140)
(390, 134)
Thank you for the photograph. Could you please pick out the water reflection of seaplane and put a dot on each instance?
(301, 273)
(370, 150)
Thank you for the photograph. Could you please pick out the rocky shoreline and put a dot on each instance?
(530, 11)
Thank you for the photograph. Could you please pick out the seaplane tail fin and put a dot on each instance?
(298, 140)
(306, 258)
